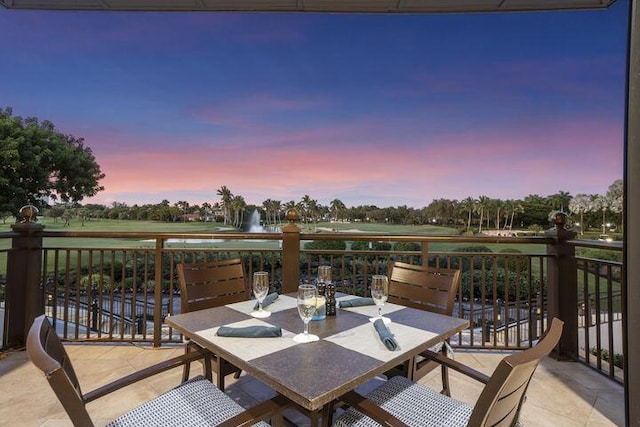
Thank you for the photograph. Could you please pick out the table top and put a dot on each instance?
(348, 354)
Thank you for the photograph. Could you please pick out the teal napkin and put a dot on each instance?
(250, 332)
(356, 302)
(267, 300)
(385, 335)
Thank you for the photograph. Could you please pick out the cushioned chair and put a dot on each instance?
(196, 402)
(424, 288)
(206, 285)
(401, 402)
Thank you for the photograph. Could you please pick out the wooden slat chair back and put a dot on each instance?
(424, 288)
(195, 403)
(500, 402)
(48, 354)
(401, 402)
(212, 284)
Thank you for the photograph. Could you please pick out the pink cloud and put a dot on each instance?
(363, 161)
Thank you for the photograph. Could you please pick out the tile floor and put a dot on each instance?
(561, 393)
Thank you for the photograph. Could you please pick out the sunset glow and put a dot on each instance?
(368, 109)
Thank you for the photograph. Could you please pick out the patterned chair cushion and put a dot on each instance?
(413, 404)
(196, 402)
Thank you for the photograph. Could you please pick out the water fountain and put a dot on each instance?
(254, 225)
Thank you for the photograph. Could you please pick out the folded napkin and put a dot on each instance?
(356, 302)
(267, 300)
(385, 335)
(250, 331)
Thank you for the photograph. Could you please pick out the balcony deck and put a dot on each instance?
(561, 393)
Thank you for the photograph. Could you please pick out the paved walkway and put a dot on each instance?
(560, 394)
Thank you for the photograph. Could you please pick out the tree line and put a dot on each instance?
(472, 214)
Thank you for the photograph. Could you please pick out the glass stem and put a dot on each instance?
(380, 311)
(306, 328)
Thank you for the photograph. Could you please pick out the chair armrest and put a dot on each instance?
(145, 373)
(371, 409)
(456, 366)
(260, 412)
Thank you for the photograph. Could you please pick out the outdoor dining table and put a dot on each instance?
(348, 354)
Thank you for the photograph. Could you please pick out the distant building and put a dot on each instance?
(190, 217)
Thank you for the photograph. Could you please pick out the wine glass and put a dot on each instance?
(260, 290)
(324, 274)
(307, 296)
(379, 293)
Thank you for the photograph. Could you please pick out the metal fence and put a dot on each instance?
(124, 294)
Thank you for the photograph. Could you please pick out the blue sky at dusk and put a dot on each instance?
(370, 109)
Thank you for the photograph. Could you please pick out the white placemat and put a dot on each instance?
(283, 302)
(365, 339)
(370, 310)
(249, 348)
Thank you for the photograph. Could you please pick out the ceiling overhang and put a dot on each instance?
(338, 6)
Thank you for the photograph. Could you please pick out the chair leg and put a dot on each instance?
(410, 369)
(219, 372)
(327, 414)
(206, 367)
(187, 366)
(446, 389)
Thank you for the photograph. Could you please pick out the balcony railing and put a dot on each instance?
(116, 294)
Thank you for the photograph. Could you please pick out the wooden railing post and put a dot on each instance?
(157, 312)
(425, 253)
(562, 287)
(290, 254)
(25, 292)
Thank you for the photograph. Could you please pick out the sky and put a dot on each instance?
(383, 110)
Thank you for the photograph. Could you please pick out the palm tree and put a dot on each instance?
(337, 208)
(267, 206)
(276, 208)
(183, 206)
(237, 206)
(498, 205)
(226, 196)
(559, 201)
(304, 205)
(314, 210)
(469, 204)
(513, 206)
(481, 205)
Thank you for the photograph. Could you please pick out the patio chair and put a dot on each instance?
(401, 402)
(425, 288)
(196, 402)
(206, 285)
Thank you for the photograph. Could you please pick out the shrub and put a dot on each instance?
(599, 254)
(466, 261)
(335, 245)
(604, 354)
(407, 246)
(513, 263)
(375, 246)
(502, 281)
